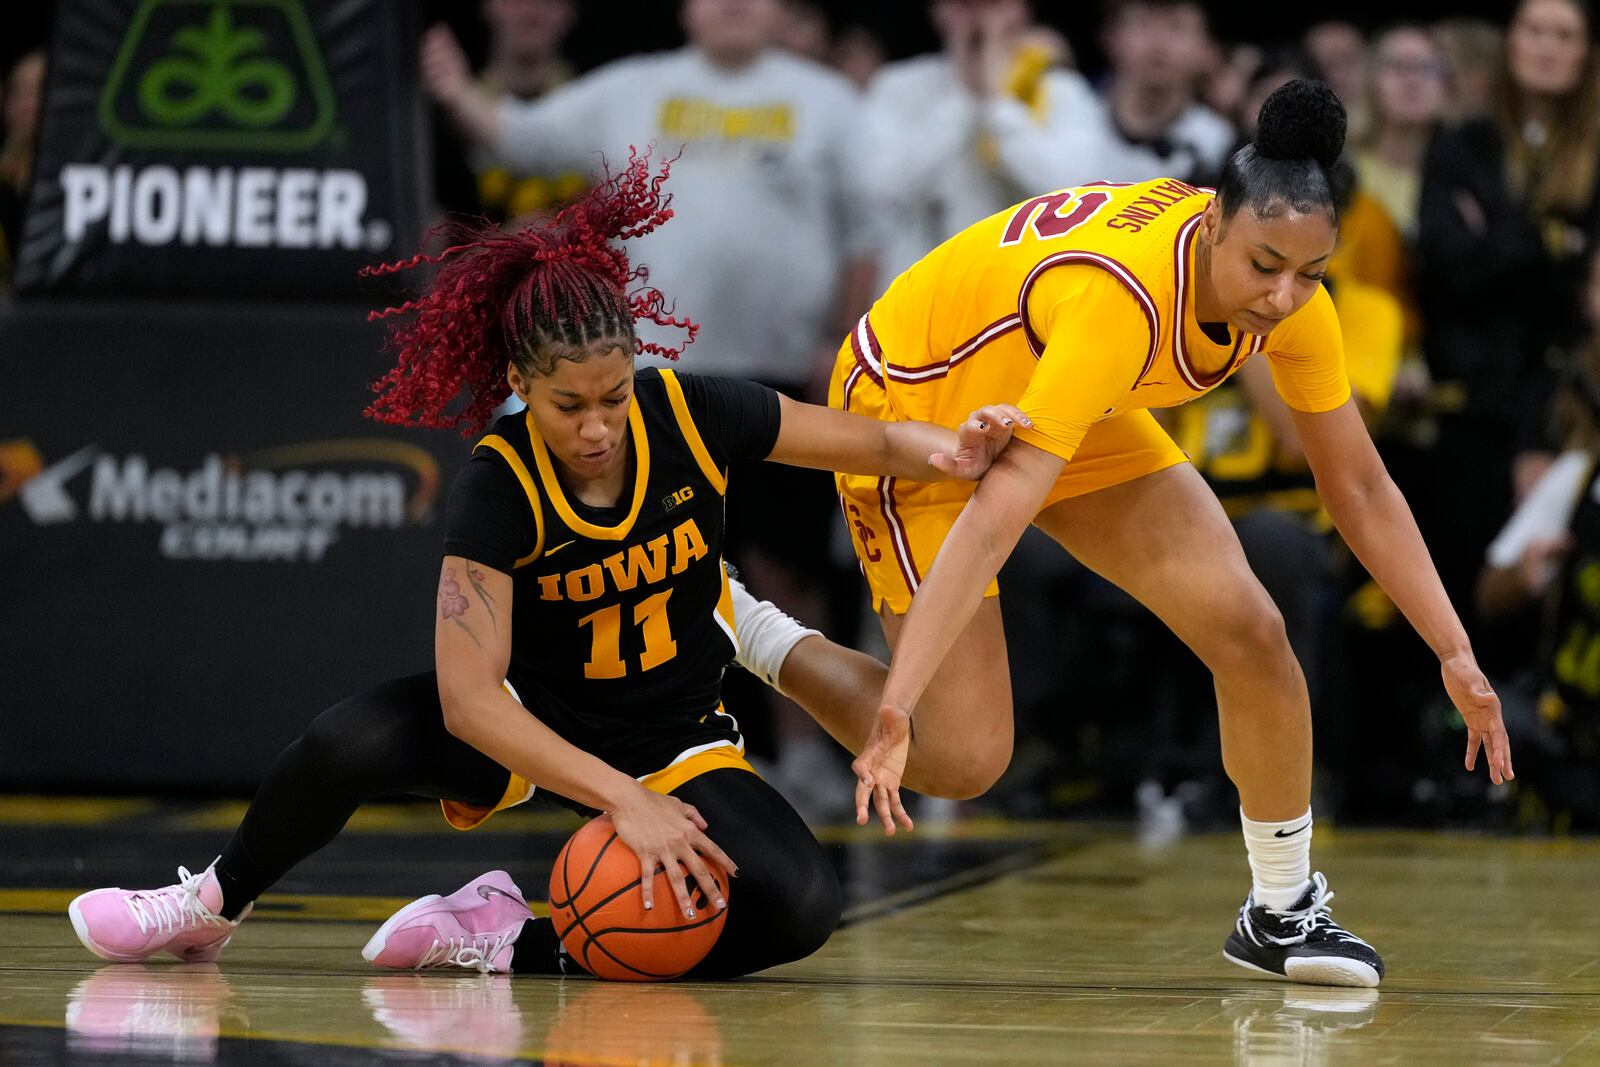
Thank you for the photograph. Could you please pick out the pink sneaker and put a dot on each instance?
(473, 927)
(131, 925)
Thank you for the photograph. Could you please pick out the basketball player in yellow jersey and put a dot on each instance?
(1084, 308)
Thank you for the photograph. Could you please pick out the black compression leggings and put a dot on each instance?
(391, 740)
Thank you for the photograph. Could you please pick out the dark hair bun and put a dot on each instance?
(1301, 120)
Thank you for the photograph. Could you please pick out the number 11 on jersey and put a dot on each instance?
(605, 656)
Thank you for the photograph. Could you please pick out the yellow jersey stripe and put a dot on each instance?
(691, 433)
(520, 469)
(558, 498)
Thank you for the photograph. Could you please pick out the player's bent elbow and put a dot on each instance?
(460, 715)
(456, 720)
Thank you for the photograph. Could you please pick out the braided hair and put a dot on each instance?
(555, 290)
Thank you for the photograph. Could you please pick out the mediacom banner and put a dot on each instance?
(202, 542)
(241, 147)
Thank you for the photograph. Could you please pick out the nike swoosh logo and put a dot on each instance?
(44, 496)
(558, 548)
(1291, 833)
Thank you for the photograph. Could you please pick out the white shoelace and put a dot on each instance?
(174, 908)
(474, 953)
(1306, 920)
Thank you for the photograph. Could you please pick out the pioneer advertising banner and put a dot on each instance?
(241, 147)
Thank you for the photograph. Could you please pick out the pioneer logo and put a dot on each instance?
(241, 78)
(245, 207)
(219, 75)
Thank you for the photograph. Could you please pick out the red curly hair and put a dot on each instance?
(551, 291)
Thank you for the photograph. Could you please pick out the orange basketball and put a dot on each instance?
(600, 916)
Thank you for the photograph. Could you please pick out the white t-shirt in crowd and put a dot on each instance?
(764, 213)
(935, 157)
(1193, 148)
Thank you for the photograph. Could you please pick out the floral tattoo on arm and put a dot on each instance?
(475, 576)
(453, 605)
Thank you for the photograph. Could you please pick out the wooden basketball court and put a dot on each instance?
(987, 942)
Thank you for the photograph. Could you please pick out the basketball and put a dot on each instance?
(600, 916)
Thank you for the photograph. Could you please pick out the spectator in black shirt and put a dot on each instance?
(1508, 217)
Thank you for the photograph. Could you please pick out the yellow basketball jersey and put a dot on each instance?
(954, 332)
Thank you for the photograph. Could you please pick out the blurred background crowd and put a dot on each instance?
(820, 155)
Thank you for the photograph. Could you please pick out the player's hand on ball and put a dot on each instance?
(880, 767)
(664, 831)
(979, 440)
(1475, 699)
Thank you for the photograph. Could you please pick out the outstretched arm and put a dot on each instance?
(1373, 517)
(810, 435)
(989, 527)
(472, 649)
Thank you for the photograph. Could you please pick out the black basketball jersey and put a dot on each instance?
(622, 619)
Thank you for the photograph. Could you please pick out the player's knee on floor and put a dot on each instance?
(780, 911)
(808, 906)
(817, 908)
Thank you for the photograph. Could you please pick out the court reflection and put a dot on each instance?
(573, 1021)
(615, 1022)
(474, 1015)
(1297, 1026)
(175, 1012)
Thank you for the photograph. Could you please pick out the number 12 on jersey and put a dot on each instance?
(1042, 216)
(650, 615)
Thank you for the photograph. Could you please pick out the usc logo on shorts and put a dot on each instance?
(863, 532)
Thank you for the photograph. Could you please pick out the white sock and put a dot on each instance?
(1280, 859)
(766, 634)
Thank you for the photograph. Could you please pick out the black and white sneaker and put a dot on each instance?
(1302, 944)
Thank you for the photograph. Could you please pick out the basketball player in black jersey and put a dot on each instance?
(583, 617)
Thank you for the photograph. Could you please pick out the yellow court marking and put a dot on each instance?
(985, 829)
(36, 901)
(69, 811)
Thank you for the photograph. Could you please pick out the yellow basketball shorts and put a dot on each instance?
(897, 527)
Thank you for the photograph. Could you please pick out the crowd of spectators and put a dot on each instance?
(810, 170)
